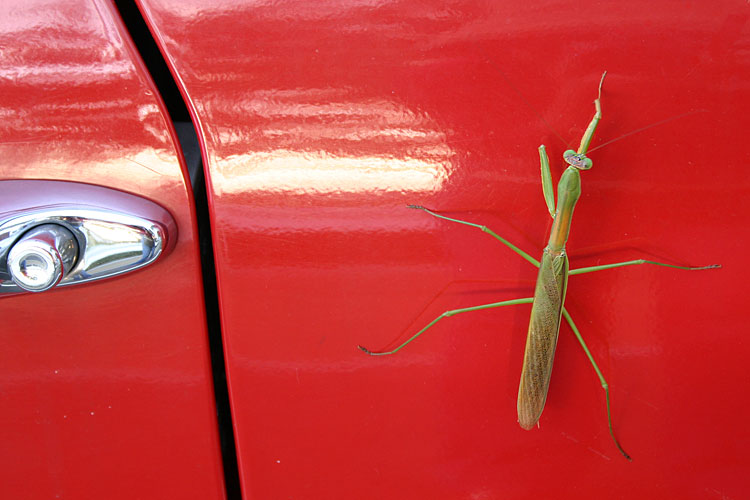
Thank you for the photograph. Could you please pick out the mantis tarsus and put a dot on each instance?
(551, 285)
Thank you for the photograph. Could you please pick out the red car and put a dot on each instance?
(203, 212)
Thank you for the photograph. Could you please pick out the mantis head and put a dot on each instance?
(577, 160)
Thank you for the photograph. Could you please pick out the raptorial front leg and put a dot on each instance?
(604, 383)
(591, 269)
(482, 228)
(547, 188)
(448, 314)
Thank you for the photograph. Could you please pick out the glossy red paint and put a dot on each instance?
(320, 121)
(105, 388)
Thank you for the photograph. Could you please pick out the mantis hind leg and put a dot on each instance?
(448, 314)
(591, 269)
(605, 386)
(484, 229)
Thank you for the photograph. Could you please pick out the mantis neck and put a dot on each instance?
(568, 192)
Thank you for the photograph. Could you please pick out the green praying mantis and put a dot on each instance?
(548, 301)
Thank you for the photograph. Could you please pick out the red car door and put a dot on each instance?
(105, 384)
(321, 121)
(318, 123)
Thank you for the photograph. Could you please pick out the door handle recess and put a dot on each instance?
(60, 243)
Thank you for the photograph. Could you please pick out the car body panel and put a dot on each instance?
(105, 387)
(320, 121)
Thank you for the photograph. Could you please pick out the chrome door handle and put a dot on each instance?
(59, 244)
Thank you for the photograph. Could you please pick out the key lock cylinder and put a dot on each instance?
(42, 257)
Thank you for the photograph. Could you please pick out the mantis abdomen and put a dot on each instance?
(542, 338)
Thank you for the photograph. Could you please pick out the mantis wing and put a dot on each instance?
(541, 341)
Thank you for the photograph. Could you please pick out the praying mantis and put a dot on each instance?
(548, 301)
